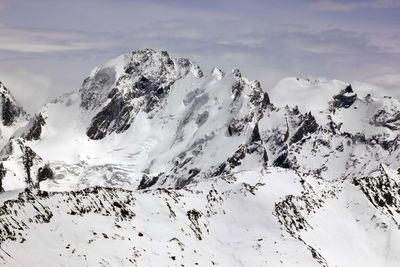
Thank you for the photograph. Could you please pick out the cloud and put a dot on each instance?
(43, 41)
(388, 81)
(264, 52)
(334, 42)
(32, 90)
(331, 5)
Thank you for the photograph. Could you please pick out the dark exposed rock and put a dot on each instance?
(265, 157)
(237, 89)
(236, 159)
(235, 127)
(290, 216)
(256, 134)
(345, 98)
(293, 210)
(3, 173)
(10, 111)
(266, 100)
(258, 103)
(308, 126)
(144, 85)
(194, 216)
(340, 147)
(220, 169)
(193, 172)
(349, 89)
(237, 74)
(334, 127)
(382, 191)
(35, 129)
(185, 180)
(28, 158)
(117, 113)
(283, 161)
(390, 145)
(45, 173)
(386, 119)
(147, 182)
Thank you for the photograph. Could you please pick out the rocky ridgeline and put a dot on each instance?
(10, 110)
(145, 81)
(33, 209)
(141, 82)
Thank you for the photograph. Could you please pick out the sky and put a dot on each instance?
(47, 47)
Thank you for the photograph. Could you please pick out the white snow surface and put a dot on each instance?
(236, 226)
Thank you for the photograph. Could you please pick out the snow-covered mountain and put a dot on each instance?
(153, 162)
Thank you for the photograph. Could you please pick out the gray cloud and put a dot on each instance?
(389, 81)
(42, 41)
(331, 5)
(28, 88)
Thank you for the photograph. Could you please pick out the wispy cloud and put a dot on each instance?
(27, 85)
(331, 5)
(389, 81)
(42, 41)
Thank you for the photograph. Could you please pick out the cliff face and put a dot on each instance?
(13, 115)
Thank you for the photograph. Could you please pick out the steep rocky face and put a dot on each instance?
(308, 126)
(345, 98)
(11, 112)
(13, 117)
(137, 81)
(34, 129)
(246, 113)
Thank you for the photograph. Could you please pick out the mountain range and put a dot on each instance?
(153, 162)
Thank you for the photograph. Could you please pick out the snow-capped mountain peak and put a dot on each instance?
(139, 80)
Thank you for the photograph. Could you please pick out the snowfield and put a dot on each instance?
(154, 163)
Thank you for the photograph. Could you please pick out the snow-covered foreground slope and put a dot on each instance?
(212, 171)
(254, 218)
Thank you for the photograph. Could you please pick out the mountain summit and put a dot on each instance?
(208, 166)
